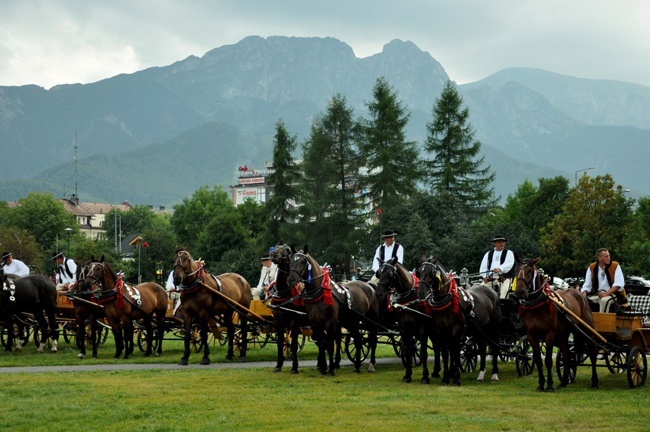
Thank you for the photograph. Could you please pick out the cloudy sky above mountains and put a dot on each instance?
(51, 42)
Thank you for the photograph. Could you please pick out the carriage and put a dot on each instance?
(623, 342)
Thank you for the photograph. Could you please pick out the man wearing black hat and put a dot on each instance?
(67, 271)
(498, 266)
(387, 251)
(267, 275)
(13, 266)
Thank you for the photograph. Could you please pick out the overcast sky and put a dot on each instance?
(80, 41)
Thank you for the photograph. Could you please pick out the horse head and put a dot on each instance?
(185, 269)
(529, 280)
(281, 256)
(303, 268)
(434, 280)
(84, 283)
(388, 277)
(99, 274)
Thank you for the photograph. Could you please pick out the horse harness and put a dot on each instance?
(451, 298)
(8, 285)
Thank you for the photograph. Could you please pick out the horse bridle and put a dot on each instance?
(179, 263)
(530, 286)
(300, 273)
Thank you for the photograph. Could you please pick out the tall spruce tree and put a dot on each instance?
(454, 167)
(331, 204)
(391, 161)
(281, 206)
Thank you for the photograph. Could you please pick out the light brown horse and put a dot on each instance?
(545, 321)
(204, 296)
(124, 303)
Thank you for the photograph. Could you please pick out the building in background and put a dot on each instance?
(252, 184)
(91, 215)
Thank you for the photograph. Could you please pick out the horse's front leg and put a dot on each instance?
(295, 334)
(244, 338)
(149, 330)
(81, 337)
(372, 335)
(355, 334)
(118, 335)
(187, 337)
(407, 355)
(330, 338)
(205, 325)
(454, 351)
(231, 338)
(128, 338)
(280, 326)
(9, 327)
(424, 356)
(482, 351)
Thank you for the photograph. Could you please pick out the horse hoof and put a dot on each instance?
(183, 362)
(294, 371)
(406, 380)
(435, 375)
(158, 355)
(147, 354)
(550, 390)
(356, 370)
(277, 369)
(205, 361)
(331, 373)
(456, 383)
(229, 357)
(426, 381)
(242, 359)
(495, 378)
(55, 346)
(371, 368)
(540, 389)
(81, 355)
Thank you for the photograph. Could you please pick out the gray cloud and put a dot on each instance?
(64, 41)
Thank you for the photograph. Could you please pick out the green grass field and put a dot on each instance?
(258, 399)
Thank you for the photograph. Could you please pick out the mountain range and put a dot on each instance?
(157, 135)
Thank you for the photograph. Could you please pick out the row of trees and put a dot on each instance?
(357, 177)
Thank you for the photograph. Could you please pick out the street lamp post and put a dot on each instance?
(68, 231)
(581, 170)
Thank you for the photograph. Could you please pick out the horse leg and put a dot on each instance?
(482, 350)
(407, 356)
(244, 338)
(9, 328)
(548, 361)
(231, 337)
(338, 336)
(372, 343)
(42, 324)
(119, 338)
(295, 334)
(128, 339)
(160, 333)
(495, 361)
(205, 360)
(149, 330)
(280, 326)
(358, 346)
(53, 328)
(81, 337)
(330, 336)
(94, 335)
(424, 356)
(537, 359)
(187, 322)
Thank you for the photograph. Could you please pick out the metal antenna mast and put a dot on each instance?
(76, 172)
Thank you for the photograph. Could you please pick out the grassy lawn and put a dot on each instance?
(258, 399)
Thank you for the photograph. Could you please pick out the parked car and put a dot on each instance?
(574, 282)
(637, 285)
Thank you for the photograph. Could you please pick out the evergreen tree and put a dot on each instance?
(331, 204)
(281, 206)
(391, 161)
(454, 167)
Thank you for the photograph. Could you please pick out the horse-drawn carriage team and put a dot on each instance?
(426, 306)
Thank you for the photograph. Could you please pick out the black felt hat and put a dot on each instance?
(389, 233)
(56, 255)
(499, 238)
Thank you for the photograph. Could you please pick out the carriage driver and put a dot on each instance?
(13, 266)
(498, 266)
(267, 275)
(603, 280)
(389, 249)
(66, 271)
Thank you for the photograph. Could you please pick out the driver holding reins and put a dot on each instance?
(498, 266)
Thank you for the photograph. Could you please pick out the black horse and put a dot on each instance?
(458, 312)
(34, 294)
(86, 309)
(288, 308)
(396, 290)
(330, 307)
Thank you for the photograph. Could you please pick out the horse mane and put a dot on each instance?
(404, 273)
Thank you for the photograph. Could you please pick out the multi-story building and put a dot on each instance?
(91, 215)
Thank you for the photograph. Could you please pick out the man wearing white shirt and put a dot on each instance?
(604, 280)
(13, 266)
(66, 271)
(497, 266)
(386, 251)
(267, 275)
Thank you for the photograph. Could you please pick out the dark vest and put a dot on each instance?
(610, 274)
(382, 249)
(66, 269)
(504, 254)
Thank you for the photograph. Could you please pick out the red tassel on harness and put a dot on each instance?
(327, 287)
(453, 289)
(119, 286)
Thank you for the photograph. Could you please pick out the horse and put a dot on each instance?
(330, 306)
(396, 290)
(458, 312)
(124, 303)
(34, 294)
(86, 310)
(543, 322)
(287, 306)
(204, 296)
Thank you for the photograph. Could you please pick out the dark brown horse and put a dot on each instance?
(545, 321)
(397, 293)
(458, 312)
(86, 309)
(124, 303)
(288, 307)
(330, 307)
(204, 296)
(34, 294)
